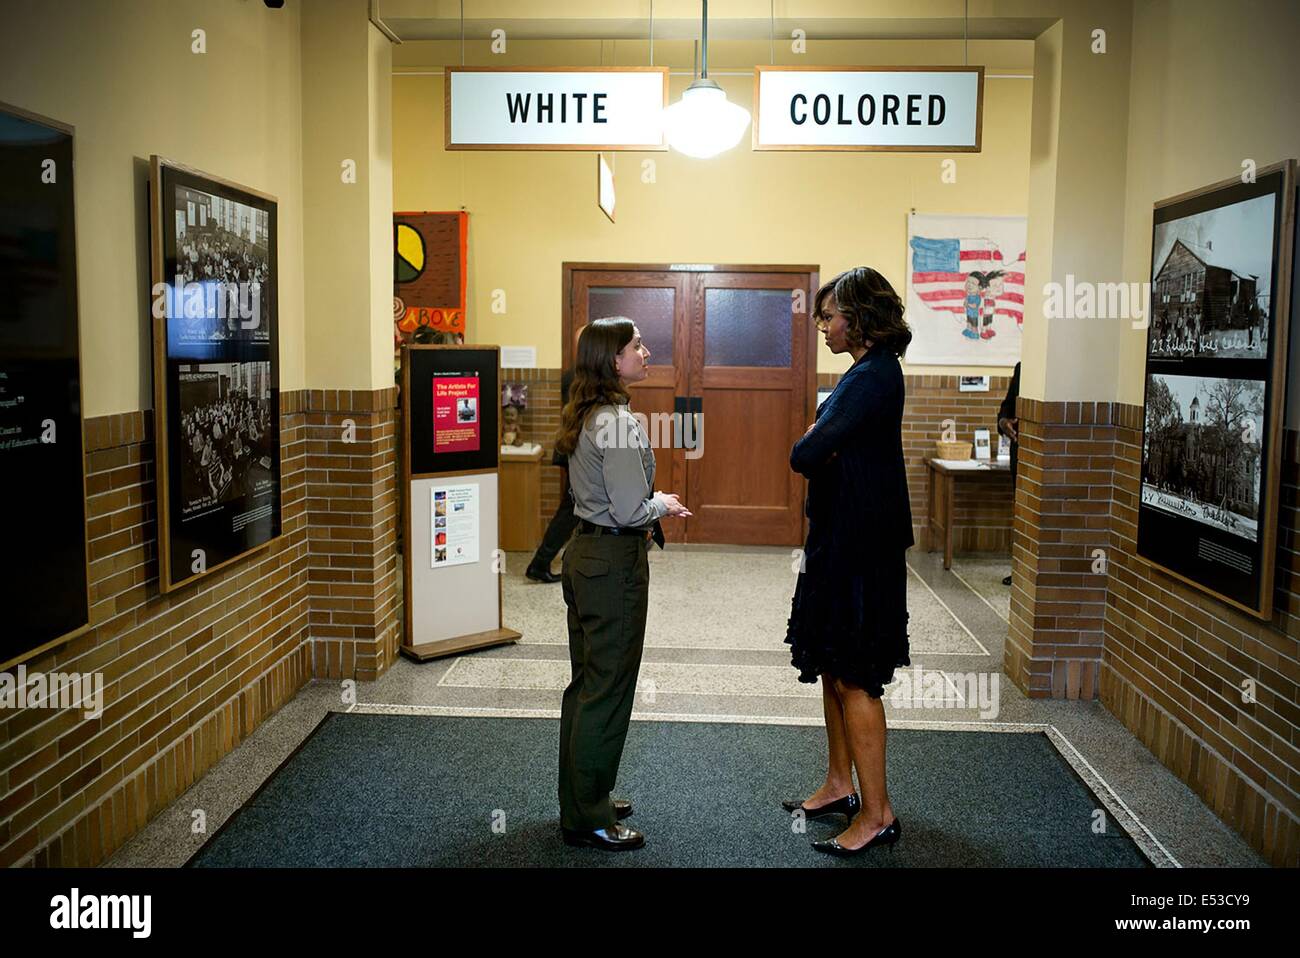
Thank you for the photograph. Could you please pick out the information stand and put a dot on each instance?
(451, 435)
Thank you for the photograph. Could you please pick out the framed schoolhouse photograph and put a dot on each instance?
(1216, 385)
(216, 371)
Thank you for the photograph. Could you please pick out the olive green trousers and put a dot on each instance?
(606, 588)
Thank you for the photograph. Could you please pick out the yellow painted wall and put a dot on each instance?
(1208, 91)
(529, 212)
(132, 87)
(347, 222)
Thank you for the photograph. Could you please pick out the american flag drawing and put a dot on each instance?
(942, 268)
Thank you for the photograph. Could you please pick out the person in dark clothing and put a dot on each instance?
(560, 529)
(848, 618)
(1008, 422)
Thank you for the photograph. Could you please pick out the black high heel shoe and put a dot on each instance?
(849, 806)
(886, 836)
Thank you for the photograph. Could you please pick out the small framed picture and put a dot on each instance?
(982, 447)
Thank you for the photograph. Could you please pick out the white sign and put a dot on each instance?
(519, 357)
(868, 108)
(455, 525)
(604, 187)
(607, 108)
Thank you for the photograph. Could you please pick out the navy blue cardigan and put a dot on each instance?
(853, 458)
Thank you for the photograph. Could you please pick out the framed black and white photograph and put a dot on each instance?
(1210, 287)
(1201, 451)
(1216, 385)
(216, 371)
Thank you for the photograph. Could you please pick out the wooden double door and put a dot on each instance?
(731, 387)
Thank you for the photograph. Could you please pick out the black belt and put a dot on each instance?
(590, 528)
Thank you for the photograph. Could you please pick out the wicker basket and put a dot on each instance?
(952, 450)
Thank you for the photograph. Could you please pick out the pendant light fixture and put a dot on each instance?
(703, 122)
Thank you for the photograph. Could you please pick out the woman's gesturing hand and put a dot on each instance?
(674, 507)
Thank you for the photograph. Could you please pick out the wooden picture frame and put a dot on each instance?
(1215, 386)
(219, 495)
(41, 383)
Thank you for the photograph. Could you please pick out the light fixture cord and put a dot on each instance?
(704, 43)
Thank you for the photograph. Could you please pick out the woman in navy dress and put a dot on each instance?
(848, 619)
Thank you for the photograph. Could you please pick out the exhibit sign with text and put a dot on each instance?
(455, 412)
(556, 108)
(216, 371)
(965, 289)
(455, 516)
(905, 109)
(1215, 385)
(43, 567)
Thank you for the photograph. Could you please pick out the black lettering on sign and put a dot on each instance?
(914, 109)
(869, 118)
(936, 100)
(517, 104)
(798, 119)
(889, 111)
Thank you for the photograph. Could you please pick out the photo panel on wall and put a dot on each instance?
(216, 371)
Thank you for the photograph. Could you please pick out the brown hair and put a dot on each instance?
(595, 378)
(872, 308)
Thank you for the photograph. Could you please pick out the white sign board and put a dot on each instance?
(868, 108)
(454, 529)
(599, 108)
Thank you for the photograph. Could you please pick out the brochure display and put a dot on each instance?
(451, 435)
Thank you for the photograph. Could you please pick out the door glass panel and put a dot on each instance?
(651, 308)
(747, 327)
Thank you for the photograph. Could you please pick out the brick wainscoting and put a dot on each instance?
(189, 675)
(1061, 539)
(352, 516)
(1176, 659)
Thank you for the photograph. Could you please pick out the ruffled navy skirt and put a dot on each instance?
(848, 619)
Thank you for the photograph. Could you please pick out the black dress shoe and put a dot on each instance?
(849, 806)
(541, 575)
(886, 836)
(622, 808)
(615, 838)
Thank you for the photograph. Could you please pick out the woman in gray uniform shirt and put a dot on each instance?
(606, 577)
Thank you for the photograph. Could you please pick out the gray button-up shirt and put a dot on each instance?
(612, 471)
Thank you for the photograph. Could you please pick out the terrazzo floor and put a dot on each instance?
(715, 652)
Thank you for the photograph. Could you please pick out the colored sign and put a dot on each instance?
(868, 108)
